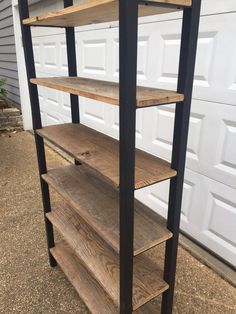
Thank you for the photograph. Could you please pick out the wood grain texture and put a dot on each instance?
(96, 11)
(98, 204)
(100, 153)
(95, 298)
(93, 295)
(147, 308)
(103, 263)
(108, 92)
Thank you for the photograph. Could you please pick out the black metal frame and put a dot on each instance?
(35, 108)
(188, 50)
(162, 5)
(72, 65)
(37, 124)
(128, 36)
(72, 69)
(128, 71)
(128, 19)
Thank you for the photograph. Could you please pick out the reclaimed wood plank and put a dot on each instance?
(108, 92)
(89, 290)
(98, 204)
(97, 11)
(103, 263)
(95, 298)
(100, 153)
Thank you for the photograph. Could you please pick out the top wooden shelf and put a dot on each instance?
(97, 11)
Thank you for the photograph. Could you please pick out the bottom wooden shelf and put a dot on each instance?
(103, 263)
(87, 287)
(93, 295)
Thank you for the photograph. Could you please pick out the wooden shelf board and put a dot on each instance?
(103, 263)
(98, 204)
(108, 92)
(87, 287)
(100, 153)
(93, 295)
(96, 11)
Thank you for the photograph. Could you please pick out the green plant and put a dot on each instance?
(3, 92)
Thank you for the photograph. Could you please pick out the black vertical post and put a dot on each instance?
(72, 66)
(37, 124)
(128, 27)
(182, 115)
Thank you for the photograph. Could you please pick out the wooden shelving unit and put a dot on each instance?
(105, 230)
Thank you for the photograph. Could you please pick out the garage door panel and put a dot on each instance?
(93, 54)
(162, 131)
(212, 134)
(222, 47)
(216, 135)
(94, 112)
(218, 223)
(195, 138)
(50, 55)
(63, 55)
(143, 56)
(156, 196)
(215, 49)
(224, 162)
(160, 141)
(208, 211)
(92, 47)
(222, 207)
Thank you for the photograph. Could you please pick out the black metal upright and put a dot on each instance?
(128, 27)
(188, 49)
(72, 65)
(37, 124)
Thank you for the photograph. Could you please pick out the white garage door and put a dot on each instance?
(209, 205)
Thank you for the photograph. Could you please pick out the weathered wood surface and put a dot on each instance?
(98, 204)
(108, 92)
(95, 298)
(100, 153)
(93, 295)
(96, 11)
(103, 263)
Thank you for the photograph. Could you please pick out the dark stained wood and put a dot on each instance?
(103, 263)
(98, 204)
(108, 92)
(96, 11)
(87, 287)
(100, 153)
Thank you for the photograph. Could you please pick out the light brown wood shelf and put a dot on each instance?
(96, 11)
(103, 263)
(95, 298)
(98, 204)
(100, 153)
(108, 92)
(93, 295)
